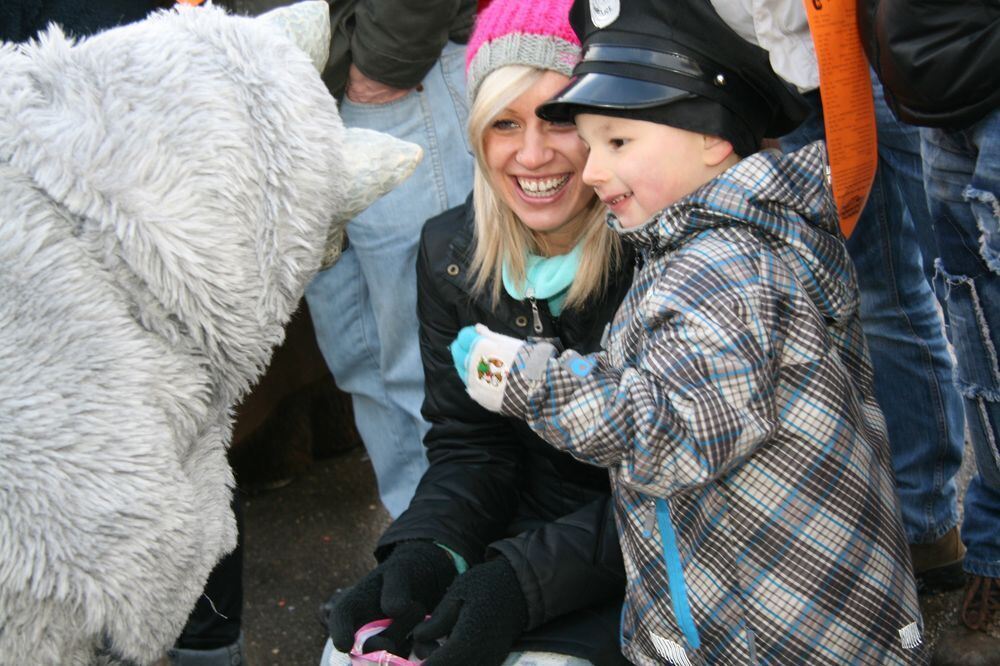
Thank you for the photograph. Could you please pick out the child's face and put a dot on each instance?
(535, 167)
(638, 168)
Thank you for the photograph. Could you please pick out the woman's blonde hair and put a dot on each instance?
(499, 235)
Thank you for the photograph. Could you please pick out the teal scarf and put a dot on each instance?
(546, 278)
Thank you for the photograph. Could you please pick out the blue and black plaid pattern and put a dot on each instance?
(733, 406)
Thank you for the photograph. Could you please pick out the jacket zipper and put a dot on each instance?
(675, 575)
(536, 318)
(650, 521)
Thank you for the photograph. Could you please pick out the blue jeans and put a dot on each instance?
(364, 306)
(962, 177)
(903, 326)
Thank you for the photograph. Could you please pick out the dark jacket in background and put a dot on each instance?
(493, 487)
(21, 20)
(395, 42)
(939, 60)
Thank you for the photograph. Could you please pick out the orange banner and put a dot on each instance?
(191, 3)
(848, 107)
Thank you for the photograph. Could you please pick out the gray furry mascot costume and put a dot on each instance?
(167, 188)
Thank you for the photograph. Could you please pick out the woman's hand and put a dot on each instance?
(408, 584)
(479, 618)
(482, 359)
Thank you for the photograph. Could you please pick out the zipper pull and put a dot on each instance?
(640, 260)
(534, 310)
(647, 525)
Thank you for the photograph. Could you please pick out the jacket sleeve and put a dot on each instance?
(397, 42)
(695, 400)
(571, 563)
(468, 495)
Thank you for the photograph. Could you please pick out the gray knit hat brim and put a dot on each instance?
(541, 51)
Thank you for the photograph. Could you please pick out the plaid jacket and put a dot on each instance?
(733, 405)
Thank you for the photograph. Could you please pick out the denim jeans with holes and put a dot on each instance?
(962, 178)
(902, 323)
(364, 307)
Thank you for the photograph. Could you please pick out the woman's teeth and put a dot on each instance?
(542, 187)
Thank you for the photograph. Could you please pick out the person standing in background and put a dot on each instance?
(399, 68)
(938, 63)
(395, 66)
(899, 312)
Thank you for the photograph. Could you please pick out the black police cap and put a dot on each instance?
(655, 53)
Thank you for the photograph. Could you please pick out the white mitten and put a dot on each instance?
(489, 359)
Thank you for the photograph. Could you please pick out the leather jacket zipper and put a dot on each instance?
(536, 318)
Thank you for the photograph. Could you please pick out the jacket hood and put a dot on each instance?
(786, 200)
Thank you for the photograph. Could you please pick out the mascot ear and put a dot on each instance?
(374, 163)
(307, 24)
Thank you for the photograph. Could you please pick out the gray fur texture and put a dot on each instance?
(166, 191)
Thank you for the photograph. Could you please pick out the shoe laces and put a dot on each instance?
(982, 600)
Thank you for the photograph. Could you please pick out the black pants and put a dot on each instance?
(208, 628)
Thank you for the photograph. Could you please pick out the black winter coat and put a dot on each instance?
(395, 42)
(493, 487)
(21, 20)
(939, 60)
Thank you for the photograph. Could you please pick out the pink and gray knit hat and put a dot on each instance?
(521, 32)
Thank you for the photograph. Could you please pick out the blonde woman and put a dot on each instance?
(507, 544)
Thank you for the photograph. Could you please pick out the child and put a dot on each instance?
(732, 400)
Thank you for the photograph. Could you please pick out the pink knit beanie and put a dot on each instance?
(521, 32)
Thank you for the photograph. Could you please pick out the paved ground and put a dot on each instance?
(303, 542)
(308, 539)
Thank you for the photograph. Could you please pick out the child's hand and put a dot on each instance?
(460, 349)
(483, 359)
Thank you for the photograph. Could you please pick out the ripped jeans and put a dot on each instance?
(962, 180)
(902, 324)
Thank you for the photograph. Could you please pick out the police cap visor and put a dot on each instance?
(596, 90)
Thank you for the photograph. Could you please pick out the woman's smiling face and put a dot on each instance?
(536, 166)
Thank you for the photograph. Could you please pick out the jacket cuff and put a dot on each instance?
(525, 374)
(526, 579)
(460, 564)
(403, 73)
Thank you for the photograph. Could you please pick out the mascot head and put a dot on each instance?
(204, 161)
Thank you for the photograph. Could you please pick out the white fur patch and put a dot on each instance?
(166, 191)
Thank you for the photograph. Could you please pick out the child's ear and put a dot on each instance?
(715, 150)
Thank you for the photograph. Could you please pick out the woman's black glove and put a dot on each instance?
(405, 587)
(480, 617)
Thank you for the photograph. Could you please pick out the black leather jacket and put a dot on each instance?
(21, 20)
(939, 60)
(493, 487)
(395, 42)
